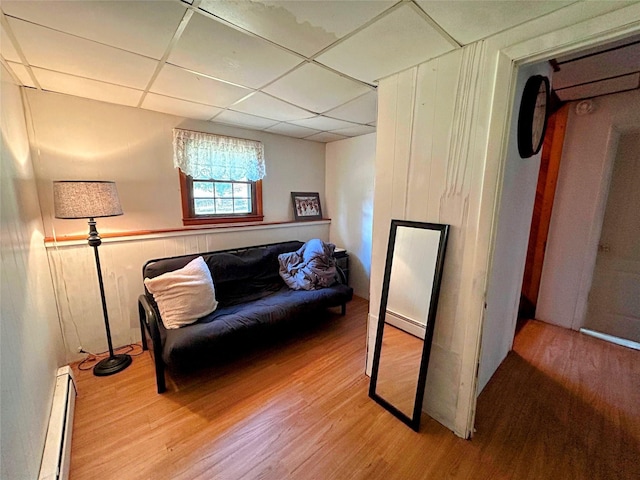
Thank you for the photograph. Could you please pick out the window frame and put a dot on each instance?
(190, 218)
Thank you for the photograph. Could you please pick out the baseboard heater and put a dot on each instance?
(57, 447)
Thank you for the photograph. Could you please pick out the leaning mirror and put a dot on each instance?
(408, 305)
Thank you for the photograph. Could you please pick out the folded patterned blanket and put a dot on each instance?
(310, 267)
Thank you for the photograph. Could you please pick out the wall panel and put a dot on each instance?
(76, 284)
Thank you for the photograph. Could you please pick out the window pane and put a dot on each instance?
(224, 206)
(241, 206)
(241, 190)
(204, 207)
(202, 189)
(224, 190)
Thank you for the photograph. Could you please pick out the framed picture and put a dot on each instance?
(306, 206)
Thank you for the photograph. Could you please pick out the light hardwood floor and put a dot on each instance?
(562, 406)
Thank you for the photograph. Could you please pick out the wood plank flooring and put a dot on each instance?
(562, 406)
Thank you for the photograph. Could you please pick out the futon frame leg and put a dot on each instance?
(343, 311)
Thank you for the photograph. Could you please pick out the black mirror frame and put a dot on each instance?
(414, 421)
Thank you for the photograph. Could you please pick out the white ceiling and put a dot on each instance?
(301, 68)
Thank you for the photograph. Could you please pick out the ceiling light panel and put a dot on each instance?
(60, 52)
(323, 123)
(177, 82)
(210, 47)
(355, 130)
(360, 110)
(181, 108)
(489, 17)
(315, 88)
(302, 26)
(397, 41)
(325, 137)
(86, 88)
(291, 130)
(264, 105)
(136, 26)
(244, 120)
(21, 72)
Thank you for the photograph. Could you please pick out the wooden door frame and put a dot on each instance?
(547, 182)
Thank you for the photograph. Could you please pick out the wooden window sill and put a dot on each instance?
(224, 220)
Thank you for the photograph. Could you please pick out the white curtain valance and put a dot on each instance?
(215, 157)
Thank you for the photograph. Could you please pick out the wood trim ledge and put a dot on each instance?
(175, 232)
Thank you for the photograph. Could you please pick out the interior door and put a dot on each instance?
(614, 300)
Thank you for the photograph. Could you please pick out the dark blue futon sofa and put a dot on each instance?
(252, 298)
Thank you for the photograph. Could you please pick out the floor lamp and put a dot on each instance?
(92, 199)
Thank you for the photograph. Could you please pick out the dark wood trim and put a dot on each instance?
(184, 195)
(543, 207)
(218, 220)
(138, 233)
(189, 219)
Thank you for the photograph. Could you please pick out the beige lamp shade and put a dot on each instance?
(85, 199)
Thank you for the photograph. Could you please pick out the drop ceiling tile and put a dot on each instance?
(181, 108)
(360, 110)
(603, 87)
(598, 67)
(21, 72)
(399, 40)
(323, 123)
(373, 124)
(267, 106)
(177, 82)
(355, 131)
(489, 17)
(316, 88)
(86, 88)
(60, 52)
(291, 130)
(325, 137)
(244, 120)
(136, 26)
(210, 47)
(302, 26)
(6, 47)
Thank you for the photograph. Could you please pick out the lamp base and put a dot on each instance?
(111, 365)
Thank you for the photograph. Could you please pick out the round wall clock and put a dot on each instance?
(532, 119)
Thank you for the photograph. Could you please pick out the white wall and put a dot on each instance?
(30, 341)
(511, 241)
(350, 172)
(585, 171)
(78, 138)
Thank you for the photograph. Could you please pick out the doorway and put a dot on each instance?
(564, 289)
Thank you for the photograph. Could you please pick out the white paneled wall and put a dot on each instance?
(424, 173)
(76, 283)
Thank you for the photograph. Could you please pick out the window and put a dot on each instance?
(220, 177)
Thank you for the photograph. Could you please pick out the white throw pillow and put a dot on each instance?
(185, 295)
